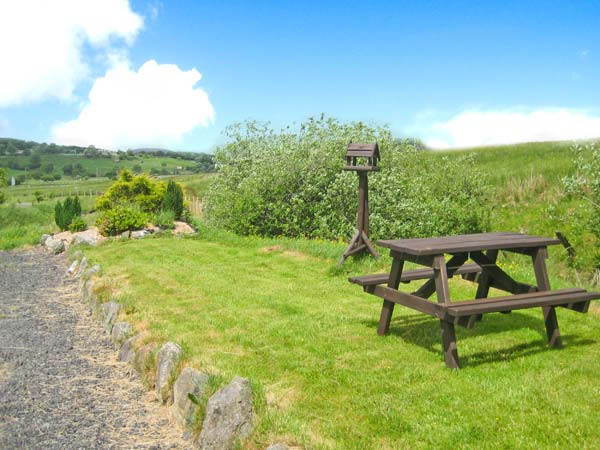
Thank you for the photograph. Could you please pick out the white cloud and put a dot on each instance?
(154, 106)
(477, 128)
(41, 43)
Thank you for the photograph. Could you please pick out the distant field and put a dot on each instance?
(97, 165)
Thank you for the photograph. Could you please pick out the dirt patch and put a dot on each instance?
(281, 397)
(295, 254)
(271, 249)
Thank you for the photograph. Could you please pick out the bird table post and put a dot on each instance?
(362, 159)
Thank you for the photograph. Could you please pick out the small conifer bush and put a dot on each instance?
(66, 212)
(173, 199)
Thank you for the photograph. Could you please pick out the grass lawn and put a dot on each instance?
(323, 379)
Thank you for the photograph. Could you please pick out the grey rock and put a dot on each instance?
(73, 268)
(55, 246)
(94, 270)
(126, 234)
(108, 314)
(127, 352)
(277, 447)
(87, 290)
(78, 255)
(82, 266)
(120, 332)
(189, 382)
(168, 357)
(141, 356)
(44, 238)
(84, 239)
(138, 234)
(228, 417)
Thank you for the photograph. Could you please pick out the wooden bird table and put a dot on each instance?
(483, 250)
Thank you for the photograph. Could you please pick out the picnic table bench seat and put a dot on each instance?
(410, 275)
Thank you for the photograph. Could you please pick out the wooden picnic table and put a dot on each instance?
(483, 250)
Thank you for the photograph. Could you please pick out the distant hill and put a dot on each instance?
(150, 150)
(32, 160)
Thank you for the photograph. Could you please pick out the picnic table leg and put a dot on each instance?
(543, 284)
(440, 276)
(388, 307)
(483, 287)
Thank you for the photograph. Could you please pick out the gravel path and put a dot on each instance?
(61, 386)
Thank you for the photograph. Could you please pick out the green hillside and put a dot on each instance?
(26, 160)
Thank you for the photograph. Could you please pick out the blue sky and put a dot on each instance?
(452, 73)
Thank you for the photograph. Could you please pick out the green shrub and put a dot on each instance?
(165, 219)
(78, 224)
(585, 183)
(2, 197)
(120, 218)
(292, 183)
(65, 212)
(129, 189)
(173, 199)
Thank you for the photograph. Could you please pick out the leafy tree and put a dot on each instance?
(48, 168)
(4, 180)
(68, 169)
(173, 199)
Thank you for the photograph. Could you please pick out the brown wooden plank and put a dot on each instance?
(362, 168)
(474, 246)
(449, 345)
(457, 237)
(410, 275)
(368, 243)
(465, 243)
(452, 266)
(454, 239)
(361, 146)
(402, 298)
(522, 301)
(387, 309)
(440, 278)
(497, 277)
(366, 153)
(354, 250)
(581, 307)
(543, 284)
(421, 260)
(536, 294)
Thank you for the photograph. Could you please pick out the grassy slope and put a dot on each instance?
(307, 339)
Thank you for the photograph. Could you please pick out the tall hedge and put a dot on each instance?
(291, 183)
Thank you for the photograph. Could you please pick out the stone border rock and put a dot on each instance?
(229, 413)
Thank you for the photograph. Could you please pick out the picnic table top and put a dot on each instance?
(466, 243)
